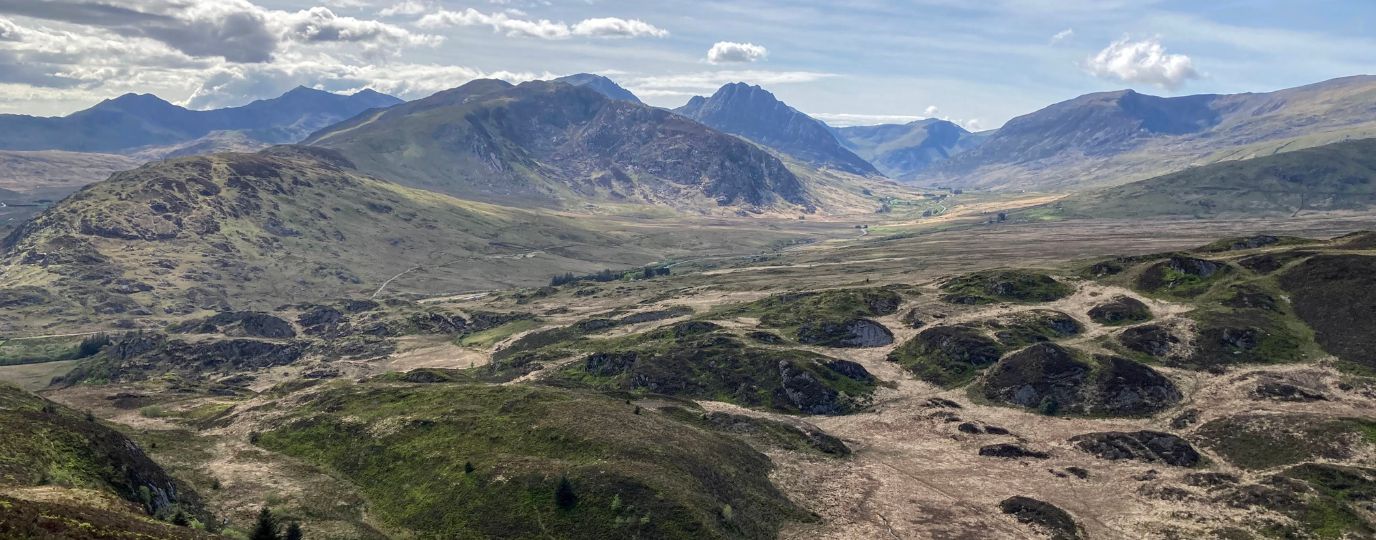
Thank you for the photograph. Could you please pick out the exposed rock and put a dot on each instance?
(912, 319)
(609, 363)
(1011, 451)
(856, 333)
(947, 355)
(765, 337)
(1120, 310)
(1152, 339)
(1181, 276)
(1048, 376)
(1058, 524)
(807, 393)
(1145, 446)
(1282, 391)
(240, 324)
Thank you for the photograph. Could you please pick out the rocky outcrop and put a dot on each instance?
(1054, 379)
(853, 333)
(947, 355)
(1120, 310)
(1056, 523)
(1145, 446)
(239, 324)
(1152, 339)
(1011, 451)
(1181, 276)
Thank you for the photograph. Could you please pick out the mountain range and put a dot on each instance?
(1117, 137)
(557, 145)
(902, 151)
(754, 113)
(134, 122)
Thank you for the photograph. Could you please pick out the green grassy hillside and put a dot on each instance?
(1325, 178)
(463, 461)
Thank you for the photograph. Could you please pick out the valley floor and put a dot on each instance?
(913, 474)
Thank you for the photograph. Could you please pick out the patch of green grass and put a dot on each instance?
(487, 338)
(1264, 441)
(476, 461)
(991, 286)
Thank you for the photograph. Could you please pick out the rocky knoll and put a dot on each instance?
(1055, 379)
(947, 355)
(698, 360)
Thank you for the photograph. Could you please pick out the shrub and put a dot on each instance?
(564, 497)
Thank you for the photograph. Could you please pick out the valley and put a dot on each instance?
(550, 310)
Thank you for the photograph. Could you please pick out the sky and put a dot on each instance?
(977, 63)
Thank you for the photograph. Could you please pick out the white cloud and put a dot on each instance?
(319, 24)
(972, 125)
(614, 27)
(512, 25)
(1143, 62)
(730, 52)
(692, 84)
(1063, 35)
(226, 86)
(930, 111)
(408, 7)
(235, 30)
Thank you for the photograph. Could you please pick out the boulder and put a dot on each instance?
(1145, 446)
(1011, 451)
(1043, 515)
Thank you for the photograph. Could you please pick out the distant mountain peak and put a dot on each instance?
(756, 114)
(601, 84)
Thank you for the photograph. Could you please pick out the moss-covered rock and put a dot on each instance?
(947, 356)
(992, 286)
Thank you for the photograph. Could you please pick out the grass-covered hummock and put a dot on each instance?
(992, 286)
(697, 359)
(478, 461)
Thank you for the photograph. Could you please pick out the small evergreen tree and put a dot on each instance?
(1049, 406)
(179, 519)
(293, 531)
(468, 467)
(266, 527)
(564, 497)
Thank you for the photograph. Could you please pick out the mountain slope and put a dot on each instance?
(601, 84)
(1117, 137)
(556, 145)
(903, 150)
(754, 113)
(134, 121)
(1337, 176)
(291, 224)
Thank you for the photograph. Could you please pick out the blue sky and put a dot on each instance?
(978, 63)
